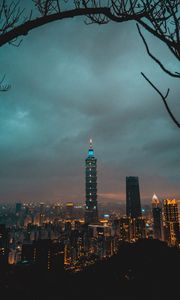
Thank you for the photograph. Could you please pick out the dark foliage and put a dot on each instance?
(147, 270)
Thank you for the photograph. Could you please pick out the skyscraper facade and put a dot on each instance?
(157, 217)
(133, 203)
(171, 222)
(91, 210)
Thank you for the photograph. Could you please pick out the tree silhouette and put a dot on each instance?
(159, 18)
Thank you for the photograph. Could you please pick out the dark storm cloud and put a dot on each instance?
(69, 82)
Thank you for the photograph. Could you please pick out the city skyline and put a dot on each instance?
(89, 149)
(102, 197)
(82, 86)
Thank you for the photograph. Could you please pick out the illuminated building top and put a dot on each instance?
(155, 200)
(90, 151)
(170, 201)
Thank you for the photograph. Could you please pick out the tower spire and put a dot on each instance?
(90, 151)
(90, 143)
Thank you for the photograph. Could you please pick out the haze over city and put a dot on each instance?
(70, 84)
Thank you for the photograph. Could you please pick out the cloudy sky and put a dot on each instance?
(71, 82)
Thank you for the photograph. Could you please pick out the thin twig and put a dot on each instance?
(163, 99)
(176, 74)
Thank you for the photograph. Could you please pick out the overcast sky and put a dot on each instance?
(71, 82)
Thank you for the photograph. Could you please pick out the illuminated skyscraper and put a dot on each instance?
(157, 217)
(91, 211)
(171, 222)
(125, 229)
(138, 228)
(133, 203)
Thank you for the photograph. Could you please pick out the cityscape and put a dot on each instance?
(89, 150)
(73, 236)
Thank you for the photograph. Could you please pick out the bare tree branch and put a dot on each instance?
(163, 22)
(176, 74)
(164, 99)
(160, 18)
(23, 29)
(4, 87)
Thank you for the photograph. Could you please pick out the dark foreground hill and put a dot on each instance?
(147, 270)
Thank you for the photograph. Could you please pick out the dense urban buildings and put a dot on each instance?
(70, 236)
(42, 234)
(91, 209)
(47, 254)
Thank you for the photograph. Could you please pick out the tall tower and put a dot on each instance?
(91, 211)
(133, 203)
(157, 217)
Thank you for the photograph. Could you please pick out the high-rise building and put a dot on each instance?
(138, 229)
(133, 203)
(4, 245)
(91, 210)
(157, 218)
(125, 229)
(18, 208)
(171, 222)
(46, 254)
